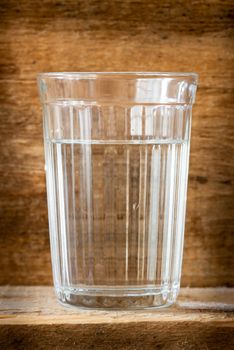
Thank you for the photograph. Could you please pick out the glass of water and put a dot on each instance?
(117, 151)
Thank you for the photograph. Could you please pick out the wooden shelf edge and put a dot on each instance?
(30, 317)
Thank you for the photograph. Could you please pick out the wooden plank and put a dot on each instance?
(30, 317)
(112, 35)
(38, 305)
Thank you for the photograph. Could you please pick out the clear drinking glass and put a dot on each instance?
(117, 151)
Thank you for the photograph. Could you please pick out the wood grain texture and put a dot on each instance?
(30, 317)
(106, 35)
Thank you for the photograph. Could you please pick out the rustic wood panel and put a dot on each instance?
(30, 317)
(106, 35)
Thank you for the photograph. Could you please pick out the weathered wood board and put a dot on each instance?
(147, 35)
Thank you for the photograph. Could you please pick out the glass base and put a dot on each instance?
(118, 298)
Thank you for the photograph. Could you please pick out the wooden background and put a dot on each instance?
(148, 35)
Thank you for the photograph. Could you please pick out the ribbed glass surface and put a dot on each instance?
(116, 182)
(116, 150)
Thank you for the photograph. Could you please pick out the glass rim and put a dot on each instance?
(113, 74)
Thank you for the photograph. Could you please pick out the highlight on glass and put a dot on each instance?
(116, 154)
